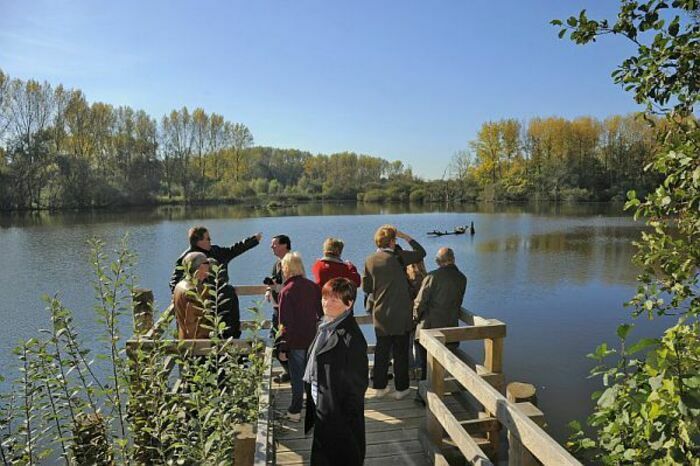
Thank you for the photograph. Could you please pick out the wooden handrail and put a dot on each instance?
(457, 432)
(362, 319)
(156, 330)
(470, 318)
(473, 332)
(262, 438)
(536, 440)
(250, 290)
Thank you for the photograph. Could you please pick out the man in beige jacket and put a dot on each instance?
(385, 281)
(189, 295)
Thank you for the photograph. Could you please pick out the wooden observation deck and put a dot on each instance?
(467, 418)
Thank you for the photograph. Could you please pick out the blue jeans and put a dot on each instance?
(297, 365)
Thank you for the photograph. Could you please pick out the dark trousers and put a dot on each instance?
(396, 345)
(297, 364)
(274, 335)
(229, 311)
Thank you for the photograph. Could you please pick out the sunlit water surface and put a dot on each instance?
(556, 275)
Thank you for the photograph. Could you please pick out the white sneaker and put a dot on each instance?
(293, 417)
(400, 395)
(382, 392)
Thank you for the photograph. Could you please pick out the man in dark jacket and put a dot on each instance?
(228, 308)
(439, 299)
(280, 246)
(336, 381)
(385, 280)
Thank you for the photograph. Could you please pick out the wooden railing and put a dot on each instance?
(253, 445)
(483, 382)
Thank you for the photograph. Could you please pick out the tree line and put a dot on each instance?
(559, 159)
(58, 150)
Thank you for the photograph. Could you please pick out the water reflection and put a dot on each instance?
(141, 215)
(581, 254)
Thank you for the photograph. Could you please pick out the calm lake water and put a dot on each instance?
(557, 275)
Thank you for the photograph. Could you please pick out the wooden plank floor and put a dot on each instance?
(392, 429)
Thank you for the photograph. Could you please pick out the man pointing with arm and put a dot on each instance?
(228, 308)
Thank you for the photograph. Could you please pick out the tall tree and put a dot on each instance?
(30, 108)
(488, 148)
(240, 139)
(200, 135)
(177, 149)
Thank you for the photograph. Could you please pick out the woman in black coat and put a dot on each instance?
(336, 381)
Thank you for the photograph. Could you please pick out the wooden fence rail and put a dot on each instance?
(442, 361)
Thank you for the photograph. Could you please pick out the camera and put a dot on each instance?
(268, 281)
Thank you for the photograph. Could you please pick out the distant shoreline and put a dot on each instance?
(290, 203)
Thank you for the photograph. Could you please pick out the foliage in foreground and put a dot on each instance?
(649, 409)
(76, 407)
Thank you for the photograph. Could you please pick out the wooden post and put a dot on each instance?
(519, 392)
(493, 354)
(493, 363)
(525, 396)
(244, 445)
(436, 377)
(143, 310)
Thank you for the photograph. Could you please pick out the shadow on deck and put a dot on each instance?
(393, 428)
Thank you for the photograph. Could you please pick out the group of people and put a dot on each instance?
(317, 340)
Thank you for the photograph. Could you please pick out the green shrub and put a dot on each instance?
(649, 408)
(575, 194)
(107, 408)
(375, 195)
(417, 195)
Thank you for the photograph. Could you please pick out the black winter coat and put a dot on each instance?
(222, 254)
(339, 416)
(229, 310)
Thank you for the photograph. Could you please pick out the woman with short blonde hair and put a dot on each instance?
(292, 265)
(384, 236)
(300, 309)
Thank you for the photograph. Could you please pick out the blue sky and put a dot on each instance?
(405, 80)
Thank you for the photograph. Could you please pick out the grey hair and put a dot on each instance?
(193, 260)
(445, 256)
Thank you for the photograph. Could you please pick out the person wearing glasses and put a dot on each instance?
(227, 301)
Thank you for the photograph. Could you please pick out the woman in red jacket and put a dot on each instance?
(332, 266)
